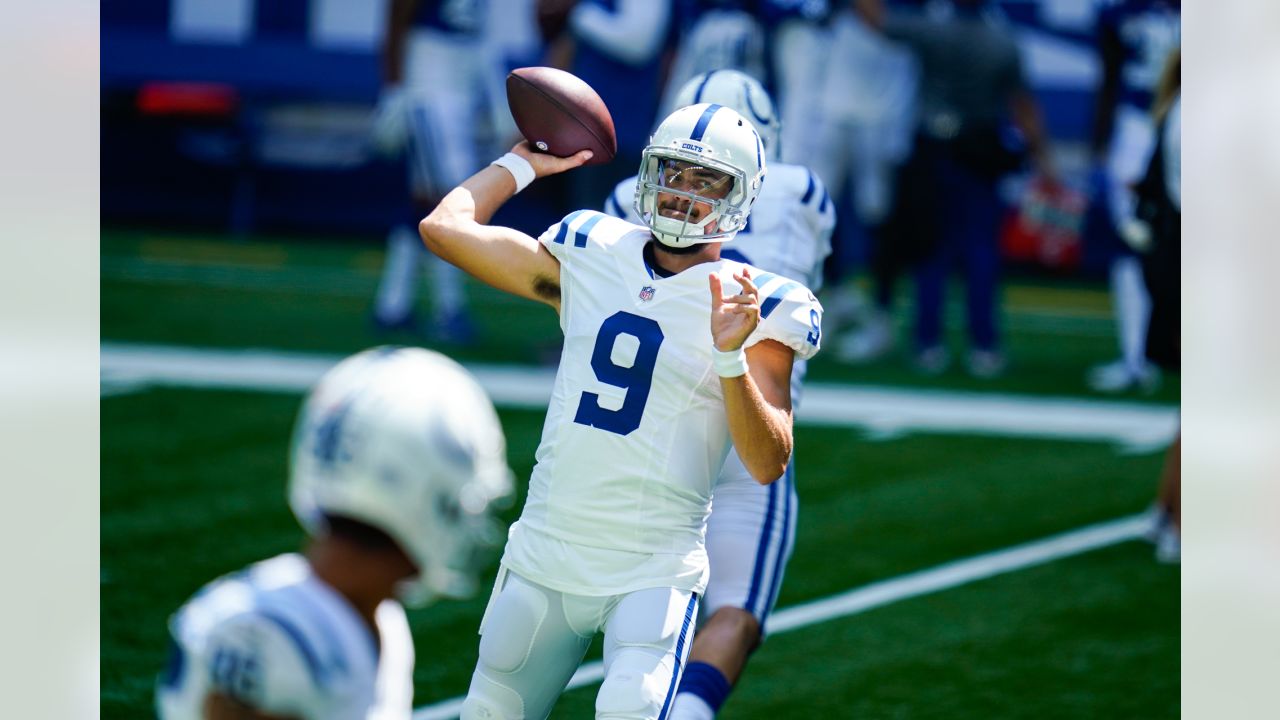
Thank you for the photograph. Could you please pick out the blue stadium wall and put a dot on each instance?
(248, 115)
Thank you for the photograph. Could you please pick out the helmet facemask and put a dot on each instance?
(686, 200)
(699, 175)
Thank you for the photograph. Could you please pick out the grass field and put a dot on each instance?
(192, 487)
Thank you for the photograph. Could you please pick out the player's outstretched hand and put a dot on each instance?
(733, 318)
(545, 164)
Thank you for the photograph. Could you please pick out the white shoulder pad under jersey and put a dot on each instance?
(789, 312)
(788, 231)
(278, 639)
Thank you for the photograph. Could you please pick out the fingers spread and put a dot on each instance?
(717, 296)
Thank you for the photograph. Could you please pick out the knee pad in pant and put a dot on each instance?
(637, 685)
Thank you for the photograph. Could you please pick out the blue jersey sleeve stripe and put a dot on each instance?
(580, 235)
(563, 233)
(701, 127)
(826, 201)
(808, 192)
(308, 653)
(771, 303)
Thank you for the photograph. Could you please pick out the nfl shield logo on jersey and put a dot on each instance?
(646, 293)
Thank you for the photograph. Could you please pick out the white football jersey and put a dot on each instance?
(636, 432)
(788, 232)
(281, 640)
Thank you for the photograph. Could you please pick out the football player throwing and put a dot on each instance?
(751, 530)
(670, 351)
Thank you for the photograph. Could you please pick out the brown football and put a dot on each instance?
(560, 114)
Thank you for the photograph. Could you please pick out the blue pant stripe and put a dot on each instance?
(762, 550)
(776, 583)
(689, 613)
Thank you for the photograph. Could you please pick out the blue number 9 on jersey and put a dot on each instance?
(636, 378)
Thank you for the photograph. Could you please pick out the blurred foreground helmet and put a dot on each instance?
(406, 441)
(699, 175)
(741, 93)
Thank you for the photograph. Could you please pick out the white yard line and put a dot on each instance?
(885, 412)
(879, 594)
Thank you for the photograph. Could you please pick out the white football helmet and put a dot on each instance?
(406, 441)
(708, 162)
(737, 90)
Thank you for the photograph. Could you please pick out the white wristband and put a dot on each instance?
(519, 168)
(729, 364)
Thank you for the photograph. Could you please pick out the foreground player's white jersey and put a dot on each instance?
(636, 431)
(788, 232)
(280, 639)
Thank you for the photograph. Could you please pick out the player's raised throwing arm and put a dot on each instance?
(502, 257)
(756, 382)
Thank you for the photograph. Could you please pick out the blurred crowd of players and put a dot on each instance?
(911, 112)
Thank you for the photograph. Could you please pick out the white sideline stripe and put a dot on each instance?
(879, 594)
(884, 412)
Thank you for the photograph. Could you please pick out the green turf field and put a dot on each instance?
(293, 295)
(192, 486)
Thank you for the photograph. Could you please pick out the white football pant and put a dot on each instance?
(750, 535)
(532, 639)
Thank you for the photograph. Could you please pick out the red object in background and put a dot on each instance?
(198, 99)
(1045, 229)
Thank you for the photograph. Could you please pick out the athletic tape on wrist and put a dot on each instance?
(519, 168)
(729, 364)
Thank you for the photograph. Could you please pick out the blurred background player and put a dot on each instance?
(1135, 38)
(751, 530)
(1159, 210)
(716, 35)
(798, 41)
(972, 94)
(619, 48)
(397, 457)
(439, 96)
(611, 538)
(862, 133)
